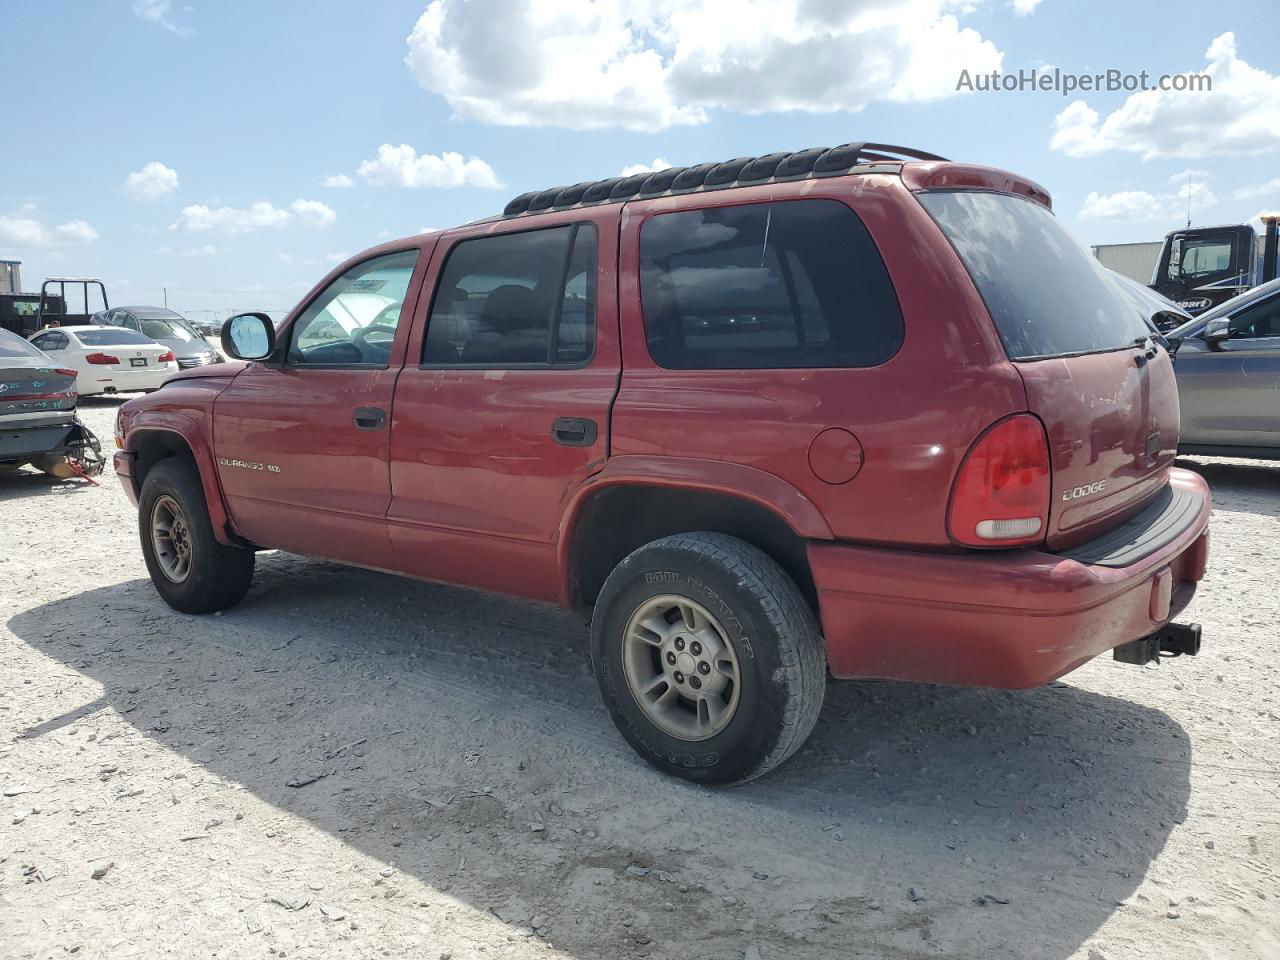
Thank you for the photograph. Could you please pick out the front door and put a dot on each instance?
(1230, 393)
(502, 409)
(302, 442)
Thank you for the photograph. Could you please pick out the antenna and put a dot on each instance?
(1187, 189)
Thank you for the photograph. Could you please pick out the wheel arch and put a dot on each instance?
(152, 444)
(630, 504)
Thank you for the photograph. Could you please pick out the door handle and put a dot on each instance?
(369, 418)
(574, 431)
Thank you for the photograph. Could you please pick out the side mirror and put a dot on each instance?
(249, 336)
(1216, 332)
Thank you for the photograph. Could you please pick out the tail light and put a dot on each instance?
(67, 373)
(167, 357)
(1001, 494)
(101, 358)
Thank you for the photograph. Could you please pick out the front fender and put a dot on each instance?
(184, 411)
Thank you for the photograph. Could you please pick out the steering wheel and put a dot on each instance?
(362, 335)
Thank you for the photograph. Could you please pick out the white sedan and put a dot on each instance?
(108, 359)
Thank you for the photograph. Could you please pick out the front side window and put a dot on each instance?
(1201, 258)
(516, 299)
(353, 321)
(771, 285)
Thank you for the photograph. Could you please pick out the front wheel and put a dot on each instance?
(191, 570)
(708, 657)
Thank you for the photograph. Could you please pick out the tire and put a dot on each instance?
(216, 576)
(767, 634)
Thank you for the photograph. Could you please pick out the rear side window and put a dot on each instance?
(770, 285)
(1048, 296)
(517, 299)
(108, 337)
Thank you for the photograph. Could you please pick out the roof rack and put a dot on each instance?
(743, 172)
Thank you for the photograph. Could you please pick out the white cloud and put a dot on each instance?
(336, 257)
(339, 181)
(1136, 205)
(159, 12)
(429, 229)
(402, 166)
(1260, 190)
(632, 169)
(651, 64)
(208, 250)
(25, 230)
(313, 213)
(261, 215)
(1024, 7)
(1239, 116)
(152, 182)
(1125, 205)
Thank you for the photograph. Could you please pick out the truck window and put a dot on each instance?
(517, 299)
(353, 321)
(769, 285)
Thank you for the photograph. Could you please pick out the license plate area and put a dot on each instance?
(137, 361)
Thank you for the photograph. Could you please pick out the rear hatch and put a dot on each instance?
(1103, 389)
(113, 350)
(31, 388)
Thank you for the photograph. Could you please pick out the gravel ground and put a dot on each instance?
(354, 765)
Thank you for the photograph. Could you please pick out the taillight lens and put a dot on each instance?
(67, 373)
(167, 357)
(101, 358)
(1001, 494)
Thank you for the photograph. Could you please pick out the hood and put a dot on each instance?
(227, 369)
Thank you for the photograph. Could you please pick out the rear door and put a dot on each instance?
(502, 409)
(301, 443)
(1103, 389)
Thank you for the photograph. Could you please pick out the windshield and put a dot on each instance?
(1048, 296)
(158, 329)
(108, 337)
(12, 345)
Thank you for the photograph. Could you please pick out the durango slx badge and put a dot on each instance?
(1088, 490)
(248, 465)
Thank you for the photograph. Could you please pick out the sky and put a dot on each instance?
(227, 156)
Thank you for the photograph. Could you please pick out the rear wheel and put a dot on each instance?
(708, 658)
(191, 570)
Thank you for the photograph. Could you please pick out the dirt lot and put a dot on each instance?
(354, 765)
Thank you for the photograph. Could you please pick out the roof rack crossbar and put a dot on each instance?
(812, 163)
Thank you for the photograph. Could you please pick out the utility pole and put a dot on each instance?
(165, 290)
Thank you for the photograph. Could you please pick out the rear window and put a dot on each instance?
(11, 345)
(1048, 296)
(110, 336)
(769, 285)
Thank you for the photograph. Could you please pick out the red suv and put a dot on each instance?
(856, 411)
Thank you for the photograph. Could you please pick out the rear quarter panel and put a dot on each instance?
(915, 415)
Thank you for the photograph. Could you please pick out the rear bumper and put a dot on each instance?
(1010, 619)
(124, 381)
(32, 441)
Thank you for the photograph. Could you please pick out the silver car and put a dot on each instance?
(164, 327)
(1227, 362)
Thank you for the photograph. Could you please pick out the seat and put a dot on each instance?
(514, 328)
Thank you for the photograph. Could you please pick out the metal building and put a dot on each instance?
(1134, 260)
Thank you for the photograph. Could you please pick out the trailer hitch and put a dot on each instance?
(1171, 640)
